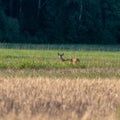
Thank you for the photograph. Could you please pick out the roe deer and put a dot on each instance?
(71, 60)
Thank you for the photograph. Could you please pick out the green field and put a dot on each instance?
(44, 62)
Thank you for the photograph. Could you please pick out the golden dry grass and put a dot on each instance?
(58, 99)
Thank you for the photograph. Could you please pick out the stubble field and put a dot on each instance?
(34, 85)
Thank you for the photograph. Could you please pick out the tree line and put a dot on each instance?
(60, 21)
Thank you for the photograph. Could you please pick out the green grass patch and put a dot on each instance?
(92, 63)
(118, 112)
(13, 58)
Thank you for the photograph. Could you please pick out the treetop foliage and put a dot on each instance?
(60, 21)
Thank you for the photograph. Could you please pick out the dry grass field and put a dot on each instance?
(41, 98)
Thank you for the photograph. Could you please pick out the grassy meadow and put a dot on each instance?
(45, 62)
(35, 85)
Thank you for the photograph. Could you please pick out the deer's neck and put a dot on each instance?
(62, 59)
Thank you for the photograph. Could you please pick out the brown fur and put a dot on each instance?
(71, 60)
(75, 60)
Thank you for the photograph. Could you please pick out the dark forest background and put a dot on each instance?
(60, 21)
